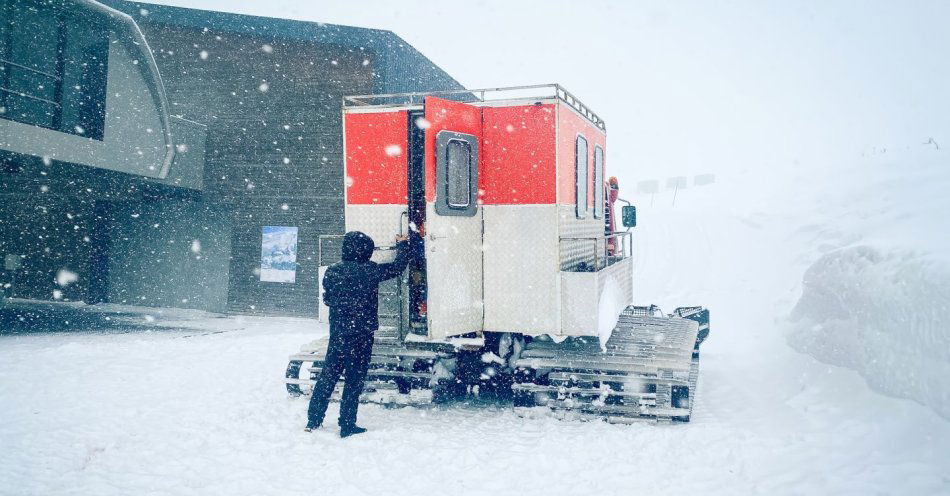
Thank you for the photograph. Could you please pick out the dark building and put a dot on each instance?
(170, 139)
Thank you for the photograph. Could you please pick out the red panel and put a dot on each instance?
(446, 115)
(377, 158)
(570, 124)
(518, 155)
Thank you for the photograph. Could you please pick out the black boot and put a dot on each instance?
(348, 431)
(311, 427)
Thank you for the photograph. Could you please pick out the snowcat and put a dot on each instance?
(523, 286)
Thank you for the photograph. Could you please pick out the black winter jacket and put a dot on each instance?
(351, 287)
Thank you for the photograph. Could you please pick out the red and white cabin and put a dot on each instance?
(508, 188)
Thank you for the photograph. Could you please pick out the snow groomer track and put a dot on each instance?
(401, 371)
(647, 370)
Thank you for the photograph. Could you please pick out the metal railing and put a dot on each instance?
(52, 79)
(604, 251)
(529, 92)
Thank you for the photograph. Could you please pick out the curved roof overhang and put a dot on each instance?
(127, 32)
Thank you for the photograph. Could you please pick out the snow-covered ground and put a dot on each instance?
(204, 412)
(194, 404)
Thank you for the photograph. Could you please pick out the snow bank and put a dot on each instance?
(875, 296)
(883, 315)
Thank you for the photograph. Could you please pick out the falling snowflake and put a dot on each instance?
(263, 87)
(423, 123)
(203, 55)
(393, 150)
(65, 277)
(267, 48)
(195, 246)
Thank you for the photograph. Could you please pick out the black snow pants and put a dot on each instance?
(348, 354)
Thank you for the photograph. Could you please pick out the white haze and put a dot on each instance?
(692, 87)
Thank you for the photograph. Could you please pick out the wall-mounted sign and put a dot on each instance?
(279, 254)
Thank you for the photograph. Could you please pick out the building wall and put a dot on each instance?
(274, 152)
(57, 216)
(169, 253)
(268, 93)
(271, 99)
(47, 233)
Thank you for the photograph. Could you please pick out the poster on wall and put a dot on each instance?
(279, 254)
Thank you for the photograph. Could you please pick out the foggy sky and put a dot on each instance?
(692, 87)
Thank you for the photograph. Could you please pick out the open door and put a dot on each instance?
(453, 218)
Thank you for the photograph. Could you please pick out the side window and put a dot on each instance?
(581, 182)
(598, 182)
(456, 174)
(458, 156)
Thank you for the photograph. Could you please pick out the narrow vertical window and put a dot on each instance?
(580, 164)
(598, 182)
(458, 156)
(456, 174)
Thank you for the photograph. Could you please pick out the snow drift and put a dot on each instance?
(875, 296)
(883, 315)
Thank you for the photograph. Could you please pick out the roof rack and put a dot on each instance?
(538, 91)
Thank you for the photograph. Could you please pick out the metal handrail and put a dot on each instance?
(604, 260)
(480, 94)
(357, 99)
(23, 94)
(27, 68)
(31, 97)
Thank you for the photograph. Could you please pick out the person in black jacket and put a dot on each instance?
(351, 290)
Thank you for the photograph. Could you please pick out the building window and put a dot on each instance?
(53, 67)
(456, 173)
(598, 182)
(580, 167)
